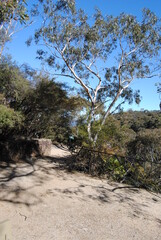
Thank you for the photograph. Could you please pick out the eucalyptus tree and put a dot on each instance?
(13, 14)
(102, 54)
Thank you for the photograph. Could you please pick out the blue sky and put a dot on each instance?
(22, 54)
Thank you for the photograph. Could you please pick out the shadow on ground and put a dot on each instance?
(19, 183)
(19, 179)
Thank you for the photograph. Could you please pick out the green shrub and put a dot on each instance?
(144, 154)
(9, 120)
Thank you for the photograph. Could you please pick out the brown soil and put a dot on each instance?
(43, 201)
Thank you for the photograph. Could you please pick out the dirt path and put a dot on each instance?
(45, 202)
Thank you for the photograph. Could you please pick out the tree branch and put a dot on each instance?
(77, 79)
(133, 50)
(99, 78)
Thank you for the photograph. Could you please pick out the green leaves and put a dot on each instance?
(13, 9)
(48, 110)
(102, 54)
(12, 82)
(9, 119)
(13, 14)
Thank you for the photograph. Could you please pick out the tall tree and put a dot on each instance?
(103, 55)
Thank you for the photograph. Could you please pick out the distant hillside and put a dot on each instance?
(140, 120)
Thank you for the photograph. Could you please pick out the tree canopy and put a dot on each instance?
(12, 13)
(103, 55)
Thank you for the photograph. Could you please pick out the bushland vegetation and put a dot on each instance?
(124, 146)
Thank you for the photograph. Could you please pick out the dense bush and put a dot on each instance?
(144, 154)
(45, 105)
(123, 155)
(9, 120)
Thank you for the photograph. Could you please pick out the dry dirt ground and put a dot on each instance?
(43, 201)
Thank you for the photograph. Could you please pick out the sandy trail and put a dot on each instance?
(48, 203)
